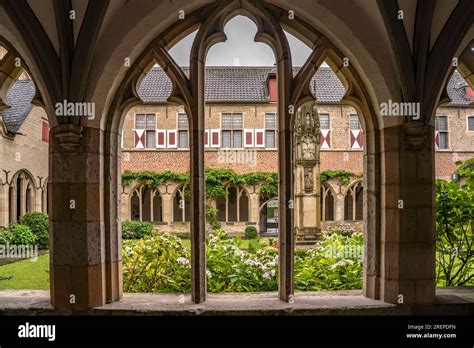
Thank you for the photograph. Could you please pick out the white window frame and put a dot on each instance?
(218, 131)
(260, 130)
(248, 131)
(158, 132)
(168, 132)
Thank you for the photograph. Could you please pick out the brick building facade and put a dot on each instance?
(241, 134)
(24, 133)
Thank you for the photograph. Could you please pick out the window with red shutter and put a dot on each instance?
(45, 132)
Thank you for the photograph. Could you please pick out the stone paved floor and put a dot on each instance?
(449, 300)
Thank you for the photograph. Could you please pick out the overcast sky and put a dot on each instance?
(240, 49)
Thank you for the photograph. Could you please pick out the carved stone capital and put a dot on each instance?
(414, 134)
(68, 135)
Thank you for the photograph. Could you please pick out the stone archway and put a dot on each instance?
(91, 146)
(188, 92)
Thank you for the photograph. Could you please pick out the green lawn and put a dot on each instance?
(26, 274)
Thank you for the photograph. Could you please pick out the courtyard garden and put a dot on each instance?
(154, 261)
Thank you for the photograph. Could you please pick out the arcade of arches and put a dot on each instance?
(101, 57)
(240, 207)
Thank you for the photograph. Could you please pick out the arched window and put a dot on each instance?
(327, 204)
(181, 205)
(353, 203)
(22, 195)
(234, 207)
(146, 205)
(135, 206)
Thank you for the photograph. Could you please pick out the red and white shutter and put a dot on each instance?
(139, 138)
(215, 137)
(161, 139)
(436, 137)
(248, 137)
(325, 138)
(206, 138)
(356, 139)
(259, 137)
(172, 138)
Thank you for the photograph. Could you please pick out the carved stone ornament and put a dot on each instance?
(414, 134)
(307, 133)
(308, 180)
(68, 135)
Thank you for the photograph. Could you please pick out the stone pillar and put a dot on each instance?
(77, 239)
(4, 204)
(307, 182)
(372, 215)
(23, 196)
(339, 207)
(254, 206)
(408, 230)
(113, 227)
(167, 203)
(196, 114)
(285, 181)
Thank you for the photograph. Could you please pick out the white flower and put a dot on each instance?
(269, 274)
(182, 261)
(342, 263)
(250, 262)
(208, 273)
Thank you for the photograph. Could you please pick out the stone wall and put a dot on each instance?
(26, 152)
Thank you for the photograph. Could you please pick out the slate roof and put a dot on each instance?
(249, 84)
(457, 90)
(19, 98)
(238, 84)
(223, 84)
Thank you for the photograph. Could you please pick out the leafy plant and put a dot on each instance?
(212, 218)
(161, 263)
(254, 246)
(136, 229)
(38, 224)
(455, 227)
(216, 180)
(21, 235)
(251, 232)
(343, 176)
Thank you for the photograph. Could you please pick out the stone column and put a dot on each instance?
(196, 114)
(254, 206)
(113, 227)
(167, 203)
(22, 196)
(285, 181)
(77, 239)
(408, 231)
(4, 204)
(339, 207)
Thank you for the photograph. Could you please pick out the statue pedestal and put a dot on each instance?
(306, 175)
(308, 207)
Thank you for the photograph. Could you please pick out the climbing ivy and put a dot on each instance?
(216, 179)
(343, 176)
(153, 179)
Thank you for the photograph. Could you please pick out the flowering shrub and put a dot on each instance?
(161, 264)
(136, 229)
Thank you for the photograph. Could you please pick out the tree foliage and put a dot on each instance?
(454, 227)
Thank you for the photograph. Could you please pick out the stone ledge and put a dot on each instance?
(450, 301)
